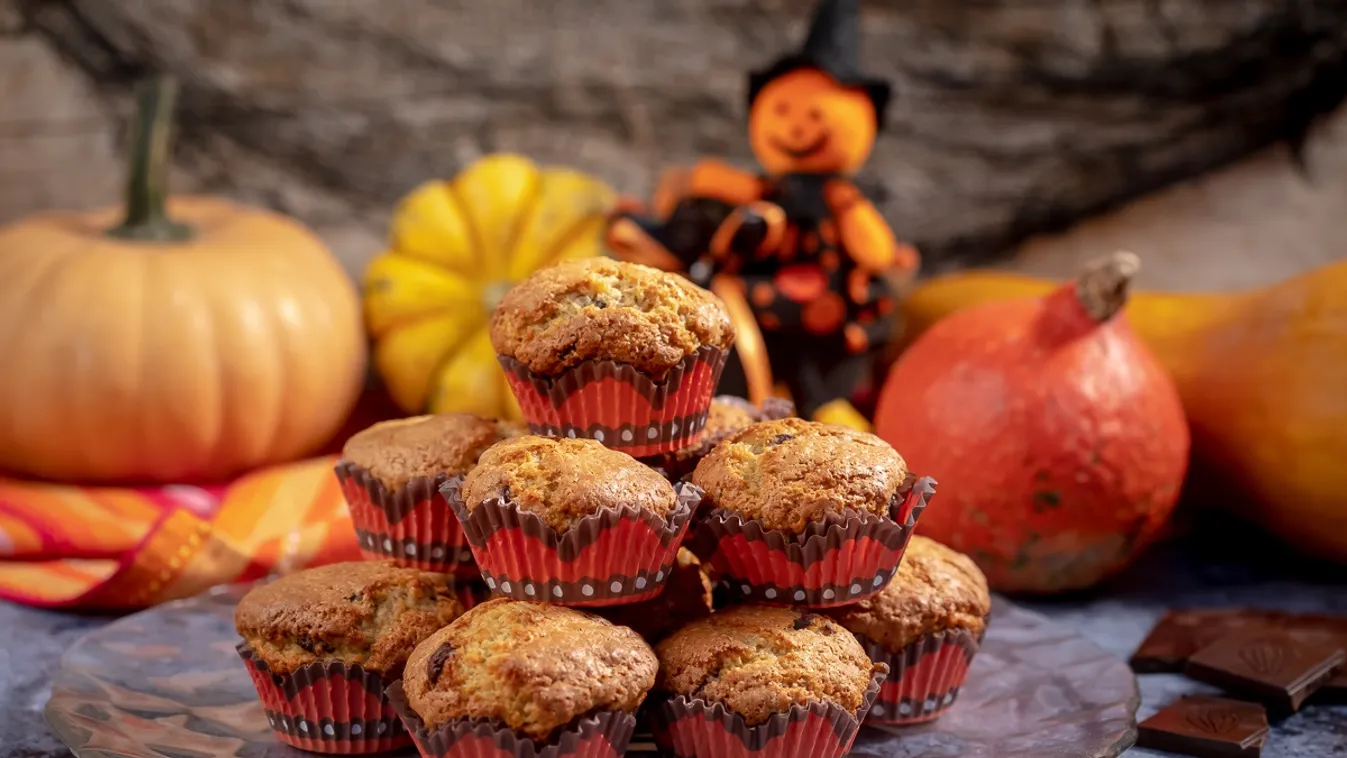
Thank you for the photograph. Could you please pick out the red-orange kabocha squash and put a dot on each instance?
(1057, 438)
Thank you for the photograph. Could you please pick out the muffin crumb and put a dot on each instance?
(399, 450)
(789, 472)
(936, 589)
(564, 480)
(530, 666)
(369, 613)
(602, 309)
(759, 661)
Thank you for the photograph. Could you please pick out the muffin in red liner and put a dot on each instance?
(322, 645)
(617, 352)
(926, 625)
(328, 707)
(728, 414)
(391, 473)
(602, 735)
(762, 681)
(514, 679)
(571, 522)
(799, 512)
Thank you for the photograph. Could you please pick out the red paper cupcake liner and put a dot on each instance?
(613, 557)
(328, 707)
(619, 405)
(600, 735)
(686, 728)
(680, 463)
(924, 677)
(412, 526)
(839, 560)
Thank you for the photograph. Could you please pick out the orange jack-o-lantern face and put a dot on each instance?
(805, 122)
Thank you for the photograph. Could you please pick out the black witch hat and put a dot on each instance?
(833, 46)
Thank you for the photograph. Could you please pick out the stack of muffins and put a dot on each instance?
(601, 530)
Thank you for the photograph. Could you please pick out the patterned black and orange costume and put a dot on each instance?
(800, 250)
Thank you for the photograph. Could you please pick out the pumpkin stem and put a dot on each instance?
(1102, 287)
(147, 187)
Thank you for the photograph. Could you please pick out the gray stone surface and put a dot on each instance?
(1189, 573)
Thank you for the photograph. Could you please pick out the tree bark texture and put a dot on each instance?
(1011, 117)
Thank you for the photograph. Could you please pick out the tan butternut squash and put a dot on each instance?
(1262, 375)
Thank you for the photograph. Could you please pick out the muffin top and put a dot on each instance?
(758, 661)
(402, 449)
(789, 472)
(602, 309)
(367, 612)
(532, 666)
(563, 480)
(686, 596)
(936, 589)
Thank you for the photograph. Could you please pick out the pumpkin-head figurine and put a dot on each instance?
(801, 256)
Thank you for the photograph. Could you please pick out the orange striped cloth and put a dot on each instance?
(65, 546)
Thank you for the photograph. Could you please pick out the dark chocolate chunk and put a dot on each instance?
(1179, 634)
(1279, 670)
(780, 438)
(1206, 727)
(435, 666)
(805, 621)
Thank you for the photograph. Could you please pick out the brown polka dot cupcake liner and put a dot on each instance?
(619, 405)
(688, 728)
(413, 527)
(924, 677)
(600, 735)
(839, 560)
(613, 557)
(679, 464)
(328, 707)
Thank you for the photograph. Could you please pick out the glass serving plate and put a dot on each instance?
(167, 683)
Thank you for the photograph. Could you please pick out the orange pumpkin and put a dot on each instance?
(804, 122)
(195, 339)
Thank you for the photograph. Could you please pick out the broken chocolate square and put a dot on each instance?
(1206, 727)
(1179, 634)
(1276, 669)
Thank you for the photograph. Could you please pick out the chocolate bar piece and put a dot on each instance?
(1179, 634)
(1276, 669)
(1206, 727)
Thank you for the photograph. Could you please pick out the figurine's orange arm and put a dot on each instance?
(866, 236)
(710, 178)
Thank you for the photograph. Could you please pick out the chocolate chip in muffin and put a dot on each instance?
(789, 472)
(759, 661)
(532, 667)
(370, 613)
(564, 480)
(936, 589)
(602, 309)
(397, 451)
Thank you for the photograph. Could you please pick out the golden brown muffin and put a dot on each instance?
(686, 597)
(402, 449)
(936, 589)
(790, 472)
(602, 309)
(531, 666)
(563, 480)
(727, 415)
(759, 660)
(370, 613)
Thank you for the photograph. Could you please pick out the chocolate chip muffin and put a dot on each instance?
(367, 613)
(602, 309)
(686, 597)
(397, 451)
(564, 480)
(759, 661)
(789, 473)
(936, 589)
(728, 414)
(531, 667)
